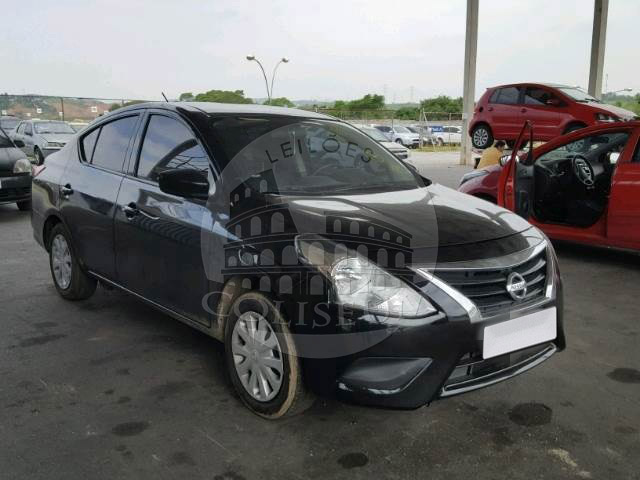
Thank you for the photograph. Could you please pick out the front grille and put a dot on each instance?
(487, 287)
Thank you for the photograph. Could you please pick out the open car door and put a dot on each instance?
(516, 182)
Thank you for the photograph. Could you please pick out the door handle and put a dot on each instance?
(523, 110)
(490, 109)
(66, 190)
(130, 210)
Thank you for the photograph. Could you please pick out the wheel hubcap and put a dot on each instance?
(481, 136)
(257, 356)
(61, 261)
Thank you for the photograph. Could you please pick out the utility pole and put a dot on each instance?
(598, 40)
(469, 86)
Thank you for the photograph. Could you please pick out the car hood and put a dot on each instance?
(617, 111)
(57, 137)
(8, 157)
(433, 216)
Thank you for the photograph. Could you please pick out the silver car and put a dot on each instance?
(43, 137)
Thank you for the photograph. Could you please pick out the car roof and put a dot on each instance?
(540, 84)
(228, 108)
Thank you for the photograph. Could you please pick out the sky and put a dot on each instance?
(407, 50)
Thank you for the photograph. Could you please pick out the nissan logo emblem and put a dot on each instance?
(516, 286)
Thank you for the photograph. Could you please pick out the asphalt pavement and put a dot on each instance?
(109, 388)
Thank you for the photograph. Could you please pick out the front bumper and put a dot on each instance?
(415, 365)
(14, 188)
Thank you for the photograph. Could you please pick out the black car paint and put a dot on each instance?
(156, 255)
(16, 187)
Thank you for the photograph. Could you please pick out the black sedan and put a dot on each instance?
(15, 173)
(323, 263)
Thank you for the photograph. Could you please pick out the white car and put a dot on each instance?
(398, 150)
(400, 135)
(448, 135)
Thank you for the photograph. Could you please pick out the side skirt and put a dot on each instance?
(157, 306)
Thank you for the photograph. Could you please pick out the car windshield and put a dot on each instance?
(375, 134)
(9, 123)
(53, 127)
(288, 155)
(578, 95)
(402, 130)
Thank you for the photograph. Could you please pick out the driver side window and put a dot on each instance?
(169, 145)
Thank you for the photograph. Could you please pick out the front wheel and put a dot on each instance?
(71, 282)
(262, 359)
(39, 156)
(481, 136)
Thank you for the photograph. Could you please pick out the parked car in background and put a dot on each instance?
(15, 173)
(448, 135)
(9, 123)
(43, 137)
(327, 276)
(425, 133)
(582, 187)
(400, 135)
(552, 109)
(397, 149)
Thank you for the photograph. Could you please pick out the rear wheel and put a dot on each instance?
(398, 140)
(262, 360)
(481, 136)
(70, 280)
(24, 206)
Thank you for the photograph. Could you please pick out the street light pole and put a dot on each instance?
(252, 58)
(273, 77)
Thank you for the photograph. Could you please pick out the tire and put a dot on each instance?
(38, 156)
(71, 282)
(399, 140)
(481, 136)
(441, 142)
(24, 206)
(291, 396)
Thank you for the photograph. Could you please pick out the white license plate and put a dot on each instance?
(521, 332)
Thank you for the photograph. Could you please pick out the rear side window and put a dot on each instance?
(88, 142)
(112, 144)
(506, 96)
(636, 156)
(169, 145)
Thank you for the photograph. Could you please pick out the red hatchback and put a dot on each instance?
(582, 187)
(552, 109)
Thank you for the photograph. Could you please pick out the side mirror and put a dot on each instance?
(613, 157)
(29, 134)
(186, 182)
(18, 143)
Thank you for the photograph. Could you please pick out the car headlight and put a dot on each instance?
(603, 117)
(22, 166)
(473, 174)
(360, 283)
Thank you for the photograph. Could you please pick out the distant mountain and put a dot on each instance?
(74, 108)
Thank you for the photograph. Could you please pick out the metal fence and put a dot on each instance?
(50, 107)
